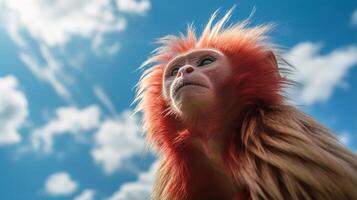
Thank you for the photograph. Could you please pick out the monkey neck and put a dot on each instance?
(196, 167)
(202, 157)
(208, 123)
(208, 132)
(204, 172)
(211, 142)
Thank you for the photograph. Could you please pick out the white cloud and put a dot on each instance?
(354, 18)
(52, 72)
(101, 48)
(57, 22)
(104, 99)
(60, 184)
(117, 141)
(14, 32)
(13, 110)
(344, 138)
(87, 194)
(52, 25)
(133, 6)
(68, 120)
(319, 74)
(138, 190)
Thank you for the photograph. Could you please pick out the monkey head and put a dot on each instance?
(225, 70)
(191, 80)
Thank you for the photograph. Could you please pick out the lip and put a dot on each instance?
(184, 84)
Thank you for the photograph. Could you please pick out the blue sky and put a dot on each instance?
(68, 69)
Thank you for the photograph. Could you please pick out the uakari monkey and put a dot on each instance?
(214, 108)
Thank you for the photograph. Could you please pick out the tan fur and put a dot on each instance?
(276, 152)
(285, 154)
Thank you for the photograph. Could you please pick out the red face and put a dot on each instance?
(191, 79)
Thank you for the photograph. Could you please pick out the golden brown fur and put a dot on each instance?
(284, 154)
(276, 152)
(287, 155)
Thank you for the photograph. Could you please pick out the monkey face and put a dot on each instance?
(191, 79)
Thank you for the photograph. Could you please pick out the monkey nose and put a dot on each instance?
(185, 70)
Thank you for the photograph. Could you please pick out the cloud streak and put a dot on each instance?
(104, 99)
(51, 72)
(354, 18)
(52, 25)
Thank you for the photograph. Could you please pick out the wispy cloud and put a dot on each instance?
(60, 184)
(319, 74)
(116, 141)
(133, 6)
(87, 194)
(68, 120)
(137, 190)
(13, 30)
(51, 72)
(100, 48)
(104, 99)
(354, 18)
(13, 110)
(50, 26)
(344, 138)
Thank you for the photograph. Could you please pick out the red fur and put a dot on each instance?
(247, 88)
(269, 150)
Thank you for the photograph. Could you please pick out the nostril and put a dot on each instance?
(189, 69)
(183, 70)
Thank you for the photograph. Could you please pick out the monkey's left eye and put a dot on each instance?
(206, 61)
(174, 71)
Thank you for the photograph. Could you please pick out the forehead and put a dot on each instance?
(194, 54)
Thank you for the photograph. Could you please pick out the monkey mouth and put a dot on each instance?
(183, 84)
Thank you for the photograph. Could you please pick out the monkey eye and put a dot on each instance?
(206, 61)
(174, 71)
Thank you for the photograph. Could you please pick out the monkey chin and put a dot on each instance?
(193, 101)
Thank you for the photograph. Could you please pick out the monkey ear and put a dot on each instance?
(271, 58)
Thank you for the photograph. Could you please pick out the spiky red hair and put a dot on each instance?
(276, 152)
(245, 47)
